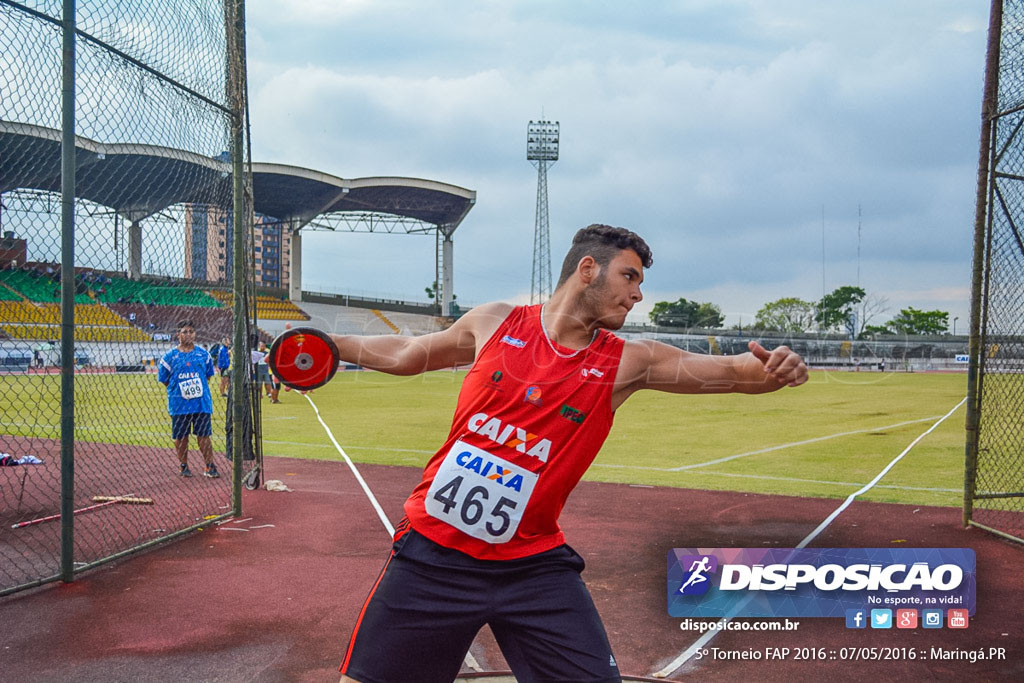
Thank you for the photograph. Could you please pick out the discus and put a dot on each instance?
(303, 358)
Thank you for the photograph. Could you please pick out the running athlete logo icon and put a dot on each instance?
(533, 396)
(696, 581)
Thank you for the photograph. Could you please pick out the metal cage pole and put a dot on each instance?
(239, 374)
(67, 297)
(982, 228)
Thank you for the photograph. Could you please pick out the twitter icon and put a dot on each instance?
(881, 618)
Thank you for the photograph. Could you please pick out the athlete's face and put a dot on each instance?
(616, 289)
(187, 336)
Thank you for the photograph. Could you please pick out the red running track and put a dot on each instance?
(276, 603)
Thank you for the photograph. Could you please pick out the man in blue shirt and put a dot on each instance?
(186, 370)
(223, 363)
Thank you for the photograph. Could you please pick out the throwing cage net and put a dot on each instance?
(126, 155)
(994, 481)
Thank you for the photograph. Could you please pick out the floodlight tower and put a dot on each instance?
(541, 151)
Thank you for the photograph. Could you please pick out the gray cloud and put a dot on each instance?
(716, 129)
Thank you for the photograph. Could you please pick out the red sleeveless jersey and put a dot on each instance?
(528, 423)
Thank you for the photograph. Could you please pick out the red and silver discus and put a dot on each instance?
(303, 358)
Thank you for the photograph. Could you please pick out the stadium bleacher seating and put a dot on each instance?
(83, 333)
(93, 322)
(112, 308)
(277, 309)
(41, 282)
(212, 324)
(109, 308)
(37, 285)
(27, 312)
(267, 307)
(8, 294)
(346, 320)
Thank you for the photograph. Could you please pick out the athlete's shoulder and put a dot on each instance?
(486, 318)
(494, 309)
(642, 351)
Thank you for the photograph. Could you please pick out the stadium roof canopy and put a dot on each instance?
(290, 192)
(162, 176)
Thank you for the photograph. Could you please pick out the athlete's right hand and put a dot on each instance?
(782, 364)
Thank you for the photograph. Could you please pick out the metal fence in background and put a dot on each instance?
(117, 222)
(994, 481)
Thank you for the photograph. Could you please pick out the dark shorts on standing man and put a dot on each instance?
(195, 423)
(429, 602)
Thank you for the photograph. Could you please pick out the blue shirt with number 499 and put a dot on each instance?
(186, 375)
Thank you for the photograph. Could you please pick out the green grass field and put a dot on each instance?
(109, 408)
(395, 420)
(853, 425)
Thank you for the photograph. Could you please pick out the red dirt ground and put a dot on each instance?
(277, 603)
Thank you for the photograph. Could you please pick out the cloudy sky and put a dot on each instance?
(736, 136)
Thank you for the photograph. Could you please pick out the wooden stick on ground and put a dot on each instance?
(123, 499)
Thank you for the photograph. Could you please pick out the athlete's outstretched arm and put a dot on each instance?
(398, 355)
(649, 364)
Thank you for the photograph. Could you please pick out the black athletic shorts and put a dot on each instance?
(196, 423)
(429, 602)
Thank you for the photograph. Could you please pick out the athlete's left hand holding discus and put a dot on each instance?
(533, 412)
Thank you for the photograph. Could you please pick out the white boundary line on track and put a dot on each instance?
(354, 448)
(469, 659)
(710, 634)
(832, 483)
(716, 461)
(767, 477)
(352, 466)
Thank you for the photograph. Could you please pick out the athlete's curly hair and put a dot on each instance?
(602, 242)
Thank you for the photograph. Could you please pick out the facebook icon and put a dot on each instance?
(856, 618)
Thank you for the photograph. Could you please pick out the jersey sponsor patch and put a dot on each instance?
(572, 414)
(510, 435)
(480, 494)
(512, 341)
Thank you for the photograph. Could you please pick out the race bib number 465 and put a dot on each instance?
(479, 493)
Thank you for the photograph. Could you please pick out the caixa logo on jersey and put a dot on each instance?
(816, 582)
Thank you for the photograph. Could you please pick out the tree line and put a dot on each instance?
(847, 309)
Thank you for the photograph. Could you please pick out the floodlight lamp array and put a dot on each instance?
(542, 141)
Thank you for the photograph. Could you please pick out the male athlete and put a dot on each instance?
(480, 543)
(186, 371)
